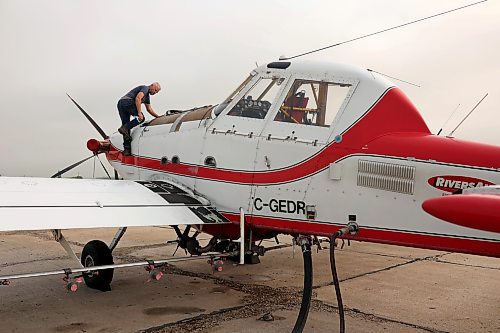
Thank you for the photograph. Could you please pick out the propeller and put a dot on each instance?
(89, 118)
(101, 132)
(183, 238)
(72, 166)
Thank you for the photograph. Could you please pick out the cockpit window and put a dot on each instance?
(312, 103)
(237, 90)
(257, 101)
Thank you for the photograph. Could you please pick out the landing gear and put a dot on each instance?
(97, 253)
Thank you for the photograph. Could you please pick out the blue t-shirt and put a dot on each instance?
(133, 93)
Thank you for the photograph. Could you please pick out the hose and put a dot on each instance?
(336, 282)
(307, 291)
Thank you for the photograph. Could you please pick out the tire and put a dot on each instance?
(97, 253)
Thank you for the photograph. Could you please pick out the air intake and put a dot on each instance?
(386, 176)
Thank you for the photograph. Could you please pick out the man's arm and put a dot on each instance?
(149, 108)
(138, 101)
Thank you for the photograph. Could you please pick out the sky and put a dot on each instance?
(201, 50)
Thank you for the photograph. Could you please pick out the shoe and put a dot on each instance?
(125, 132)
(127, 152)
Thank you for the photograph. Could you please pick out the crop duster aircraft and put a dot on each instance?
(299, 147)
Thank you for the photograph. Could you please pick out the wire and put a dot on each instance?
(381, 31)
(394, 78)
(468, 114)
(446, 122)
(107, 173)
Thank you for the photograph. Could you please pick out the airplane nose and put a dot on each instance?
(97, 146)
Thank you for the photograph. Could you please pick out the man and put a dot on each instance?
(130, 105)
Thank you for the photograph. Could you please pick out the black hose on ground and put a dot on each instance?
(351, 228)
(307, 292)
(336, 283)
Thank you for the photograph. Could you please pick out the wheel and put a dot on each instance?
(97, 253)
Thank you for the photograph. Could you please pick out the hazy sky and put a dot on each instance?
(200, 50)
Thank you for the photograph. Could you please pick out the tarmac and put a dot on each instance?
(384, 288)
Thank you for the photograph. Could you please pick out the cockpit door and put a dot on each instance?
(230, 144)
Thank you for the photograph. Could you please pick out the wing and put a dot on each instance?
(477, 208)
(41, 203)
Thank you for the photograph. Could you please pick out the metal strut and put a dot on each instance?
(59, 237)
(119, 234)
(85, 270)
(242, 236)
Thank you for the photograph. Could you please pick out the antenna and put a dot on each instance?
(381, 31)
(482, 99)
(446, 122)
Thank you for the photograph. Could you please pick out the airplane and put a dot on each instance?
(309, 149)
(304, 148)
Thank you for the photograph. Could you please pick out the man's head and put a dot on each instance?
(154, 88)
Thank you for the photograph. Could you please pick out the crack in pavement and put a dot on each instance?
(9, 264)
(466, 265)
(434, 258)
(430, 258)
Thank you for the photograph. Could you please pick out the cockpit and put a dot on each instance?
(306, 101)
(305, 94)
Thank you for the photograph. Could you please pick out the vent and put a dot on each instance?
(386, 176)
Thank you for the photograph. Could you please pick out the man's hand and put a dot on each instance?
(149, 108)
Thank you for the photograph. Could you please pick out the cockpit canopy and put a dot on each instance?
(303, 93)
(310, 100)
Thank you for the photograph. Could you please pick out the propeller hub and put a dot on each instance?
(97, 146)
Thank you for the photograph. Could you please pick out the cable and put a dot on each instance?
(307, 291)
(381, 31)
(93, 171)
(446, 122)
(468, 114)
(394, 78)
(107, 173)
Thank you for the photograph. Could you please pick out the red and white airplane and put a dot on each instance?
(300, 148)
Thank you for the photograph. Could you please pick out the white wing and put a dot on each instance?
(41, 203)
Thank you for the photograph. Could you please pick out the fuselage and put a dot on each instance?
(306, 147)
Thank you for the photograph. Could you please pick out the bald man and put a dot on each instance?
(130, 105)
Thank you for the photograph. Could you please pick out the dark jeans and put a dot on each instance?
(126, 109)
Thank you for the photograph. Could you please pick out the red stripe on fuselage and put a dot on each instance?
(411, 239)
(393, 127)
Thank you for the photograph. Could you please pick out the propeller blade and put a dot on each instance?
(186, 231)
(99, 129)
(176, 249)
(177, 231)
(74, 165)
